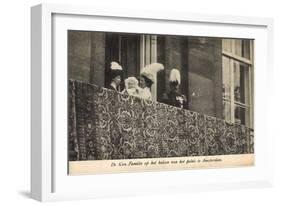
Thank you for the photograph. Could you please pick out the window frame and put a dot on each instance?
(232, 57)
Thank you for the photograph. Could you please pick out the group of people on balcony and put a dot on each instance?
(142, 88)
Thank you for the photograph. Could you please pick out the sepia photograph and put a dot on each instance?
(139, 102)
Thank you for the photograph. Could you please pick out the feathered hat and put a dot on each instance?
(175, 76)
(151, 70)
(116, 70)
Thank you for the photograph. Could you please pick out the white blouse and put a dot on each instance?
(145, 93)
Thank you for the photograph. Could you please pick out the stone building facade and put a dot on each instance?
(199, 59)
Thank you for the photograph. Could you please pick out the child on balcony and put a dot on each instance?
(132, 87)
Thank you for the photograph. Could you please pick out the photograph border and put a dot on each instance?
(43, 90)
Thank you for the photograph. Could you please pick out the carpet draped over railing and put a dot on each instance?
(105, 124)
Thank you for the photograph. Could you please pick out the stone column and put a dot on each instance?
(79, 48)
(97, 64)
(205, 76)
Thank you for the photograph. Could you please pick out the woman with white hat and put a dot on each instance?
(147, 78)
(116, 74)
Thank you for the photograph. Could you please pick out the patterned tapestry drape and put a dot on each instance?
(104, 124)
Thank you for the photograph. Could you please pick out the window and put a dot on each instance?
(148, 51)
(124, 48)
(133, 51)
(237, 61)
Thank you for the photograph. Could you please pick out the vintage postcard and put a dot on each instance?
(149, 102)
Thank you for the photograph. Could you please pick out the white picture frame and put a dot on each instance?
(49, 179)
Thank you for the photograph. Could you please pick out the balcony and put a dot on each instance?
(105, 125)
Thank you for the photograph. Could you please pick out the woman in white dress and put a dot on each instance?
(145, 85)
(147, 78)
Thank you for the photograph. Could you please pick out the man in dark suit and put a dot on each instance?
(174, 97)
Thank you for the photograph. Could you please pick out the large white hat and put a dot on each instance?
(115, 66)
(116, 69)
(175, 76)
(151, 70)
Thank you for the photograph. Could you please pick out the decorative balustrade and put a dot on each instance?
(104, 124)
